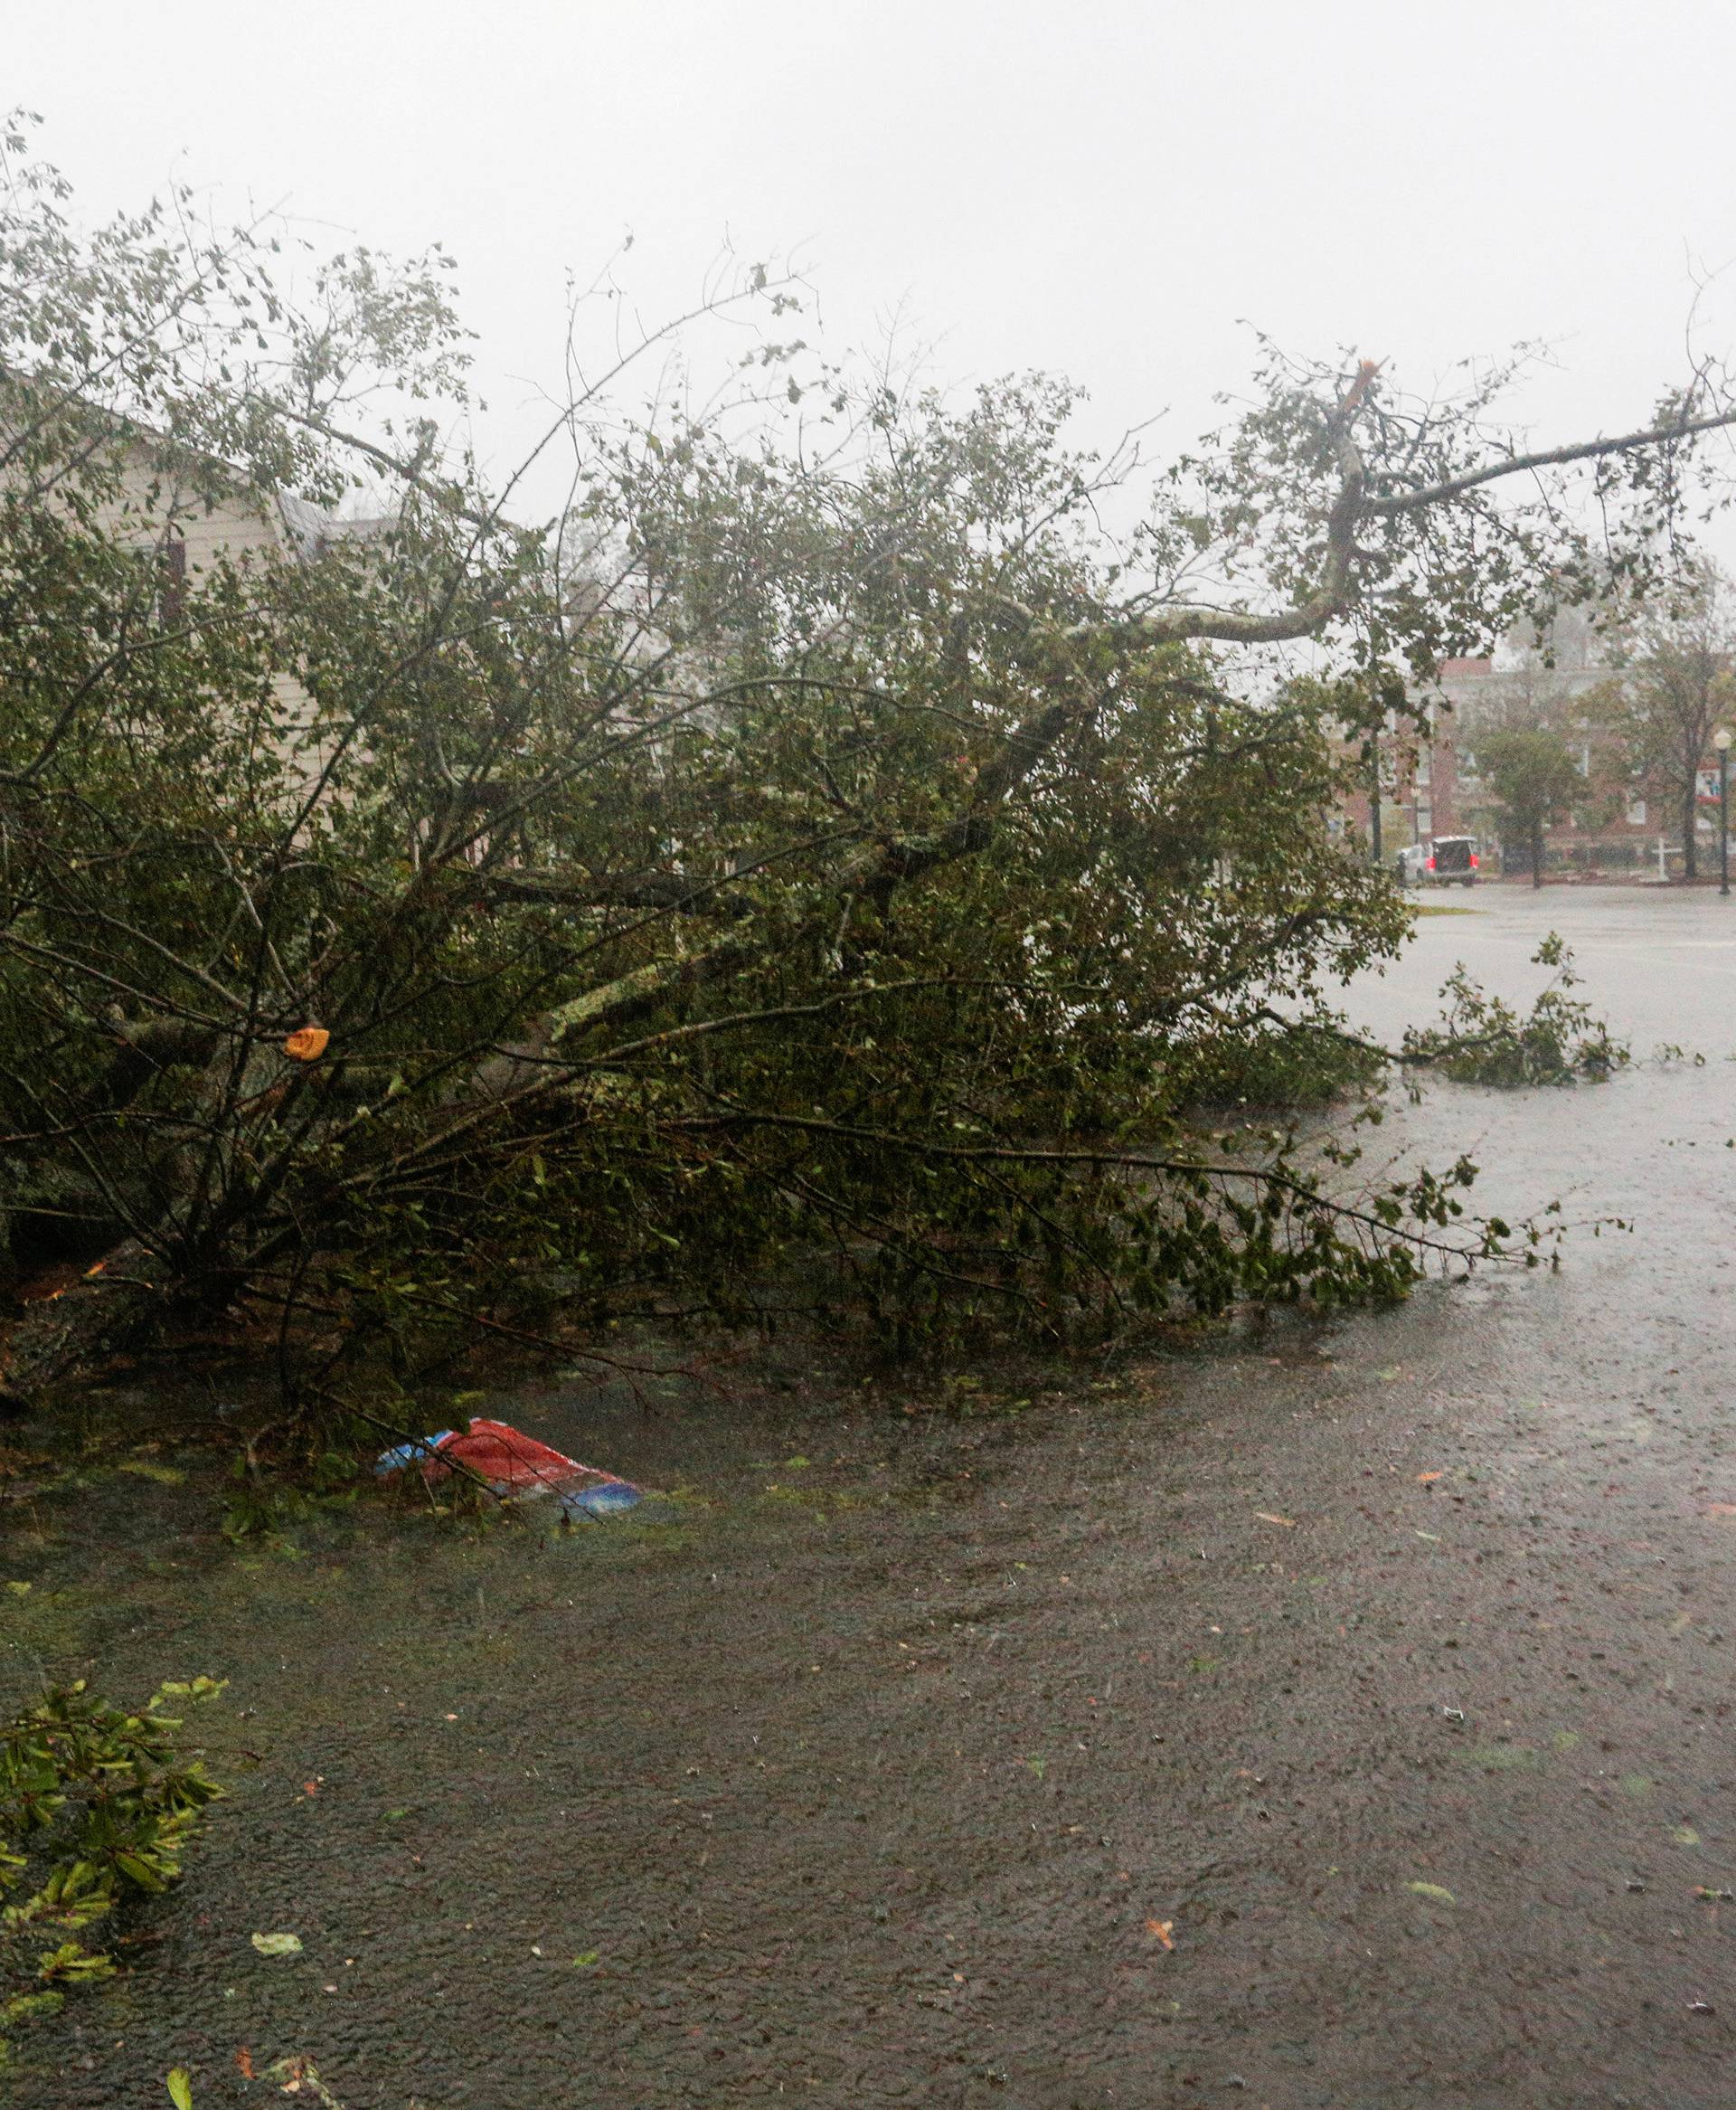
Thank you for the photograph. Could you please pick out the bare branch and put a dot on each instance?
(1390, 503)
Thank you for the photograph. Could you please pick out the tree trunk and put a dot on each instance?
(1690, 815)
(1537, 853)
(115, 1306)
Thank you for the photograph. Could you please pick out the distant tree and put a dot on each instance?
(1548, 682)
(1678, 687)
(1534, 780)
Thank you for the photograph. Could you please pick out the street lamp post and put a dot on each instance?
(1720, 741)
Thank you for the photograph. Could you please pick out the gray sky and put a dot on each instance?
(1104, 188)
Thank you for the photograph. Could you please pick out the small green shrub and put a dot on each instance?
(96, 1804)
(1483, 1040)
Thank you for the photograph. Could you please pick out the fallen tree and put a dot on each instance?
(813, 869)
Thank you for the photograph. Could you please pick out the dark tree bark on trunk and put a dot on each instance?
(1537, 853)
(1690, 814)
(113, 1307)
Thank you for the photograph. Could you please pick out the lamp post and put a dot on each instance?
(1720, 741)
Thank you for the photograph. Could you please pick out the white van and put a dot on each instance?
(1453, 860)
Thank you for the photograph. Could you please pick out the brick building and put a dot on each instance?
(1421, 770)
(1431, 785)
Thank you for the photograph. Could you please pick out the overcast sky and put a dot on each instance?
(1106, 188)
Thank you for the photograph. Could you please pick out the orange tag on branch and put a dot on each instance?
(306, 1044)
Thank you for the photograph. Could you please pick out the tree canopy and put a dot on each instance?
(1676, 687)
(816, 869)
(1534, 780)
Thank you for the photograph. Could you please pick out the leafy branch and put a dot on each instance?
(97, 1805)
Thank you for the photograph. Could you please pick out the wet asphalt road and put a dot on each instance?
(1340, 1719)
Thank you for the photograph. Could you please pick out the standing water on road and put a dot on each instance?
(1337, 1717)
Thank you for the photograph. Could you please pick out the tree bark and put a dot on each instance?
(1690, 815)
(1537, 853)
(112, 1308)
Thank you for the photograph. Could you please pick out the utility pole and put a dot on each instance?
(1720, 741)
(1374, 795)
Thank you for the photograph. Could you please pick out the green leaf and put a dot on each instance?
(140, 1872)
(179, 2082)
(147, 1468)
(277, 1945)
(1432, 1890)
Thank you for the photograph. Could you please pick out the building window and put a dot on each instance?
(1636, 813)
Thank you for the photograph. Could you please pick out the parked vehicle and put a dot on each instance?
(1453, 860)
(1409, 863)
